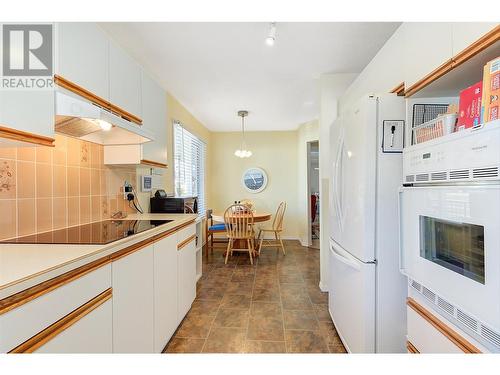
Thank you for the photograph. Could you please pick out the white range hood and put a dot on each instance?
(80, 118)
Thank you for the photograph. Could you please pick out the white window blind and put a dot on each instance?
(189, 166)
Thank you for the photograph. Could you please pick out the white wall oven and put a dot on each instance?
(450, 229)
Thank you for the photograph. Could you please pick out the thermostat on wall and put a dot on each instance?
(146, 183)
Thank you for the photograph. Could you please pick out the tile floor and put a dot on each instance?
(274, 306)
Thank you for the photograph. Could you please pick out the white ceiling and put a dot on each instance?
(216, 69)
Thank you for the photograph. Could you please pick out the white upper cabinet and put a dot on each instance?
(124, 80)
(428, 45)
(82, 56)
(466, 33)
(154, 119)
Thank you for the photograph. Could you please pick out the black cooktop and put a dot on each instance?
(98, 233)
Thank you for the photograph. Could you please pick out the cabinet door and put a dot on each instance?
(427, 46)
(82, 56)
(133, 302)
(154, 119)
(466, 33)
(165, 291)
(124, 80)
(91, 334)
(186, 260)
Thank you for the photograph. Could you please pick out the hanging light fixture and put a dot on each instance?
(242, 152)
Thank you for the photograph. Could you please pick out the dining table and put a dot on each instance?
(258, 217)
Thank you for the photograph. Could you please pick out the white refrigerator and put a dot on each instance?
(366, 290)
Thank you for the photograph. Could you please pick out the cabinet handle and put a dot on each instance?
(186, 242)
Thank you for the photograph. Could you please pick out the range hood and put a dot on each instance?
(79, 118)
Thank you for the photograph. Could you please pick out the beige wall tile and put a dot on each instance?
(95, 206)
(85, 154)
(26, 177)
(43, 214)
(26, 153)
(95, 182)
(8, 153)
(104, 207)
(73, 211)
(59, 181)
(26, 219)
(73, 181)
(112, 205)
(73, 156)
(44, 154)
(84, 181)
(84, 210)
(60, 150)
(60, 213)
(95, 155)
(104, 182)
(7, 218)
(7, 179)
(43, 180)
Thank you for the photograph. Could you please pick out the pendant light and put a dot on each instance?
(242, 152)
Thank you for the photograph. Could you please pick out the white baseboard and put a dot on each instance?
(323, 287)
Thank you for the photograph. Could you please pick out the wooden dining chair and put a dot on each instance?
(239, 223)
(276, 229)
(210, 230)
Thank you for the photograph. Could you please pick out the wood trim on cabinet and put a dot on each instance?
(478, 46)
(153, 163)
(16, 300)
(70, 86)
(41, 338)
(186, 242)
(472, 50)
(399, 90)
(22, 136)
(411, 348)
(450, 334)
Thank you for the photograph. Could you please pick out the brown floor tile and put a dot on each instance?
(264, 347)
(210, 294)
(305, 342)
(225, 340)
(299, 301)
(184, 345)
(330, 334)
(231, 318)
(317, 296)
(299, 319)
(269, 309)
(202, 307)
(322, 313)
(243, 278)
(242, 288)
(266, 295)
(265, 328)
(195, 326)
(266, 282)
(291, 278)
(236, 301)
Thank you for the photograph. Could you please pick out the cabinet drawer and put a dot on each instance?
(28, 319)
(185, 234)
(428, 334)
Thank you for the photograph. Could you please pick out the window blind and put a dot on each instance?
(189, 166)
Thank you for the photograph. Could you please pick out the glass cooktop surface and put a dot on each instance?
(98, 233)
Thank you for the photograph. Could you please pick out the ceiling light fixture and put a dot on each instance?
(271, 37)
(242, 152)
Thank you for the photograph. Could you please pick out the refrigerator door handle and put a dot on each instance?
(343, 256)
(338, 183)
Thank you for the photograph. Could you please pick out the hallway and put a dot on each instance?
(274, 306)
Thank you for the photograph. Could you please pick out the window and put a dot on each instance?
(189, 166)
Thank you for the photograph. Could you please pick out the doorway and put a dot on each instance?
(313, 192)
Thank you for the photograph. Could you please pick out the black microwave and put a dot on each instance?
(174, 205)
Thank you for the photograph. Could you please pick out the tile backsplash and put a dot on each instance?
(46, 188)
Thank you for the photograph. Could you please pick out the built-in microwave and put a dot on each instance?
(450, 246)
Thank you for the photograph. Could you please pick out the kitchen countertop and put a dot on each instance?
(25, 265)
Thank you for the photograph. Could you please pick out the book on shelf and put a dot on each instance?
(491, 90)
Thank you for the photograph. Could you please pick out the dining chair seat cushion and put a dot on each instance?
(217, 227)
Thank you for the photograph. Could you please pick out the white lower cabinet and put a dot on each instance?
(186, 264)
(90, 334)
(132, 282)
(165, 291)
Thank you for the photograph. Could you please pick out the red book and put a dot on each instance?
(469, 107)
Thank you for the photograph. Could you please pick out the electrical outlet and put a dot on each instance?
(127, 189)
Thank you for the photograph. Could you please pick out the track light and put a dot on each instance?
(271, 37)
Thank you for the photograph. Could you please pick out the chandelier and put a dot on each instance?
(242, 152)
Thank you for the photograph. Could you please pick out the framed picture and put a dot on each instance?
(393, 136)
(254, 180)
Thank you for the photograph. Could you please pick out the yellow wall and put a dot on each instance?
(276, 153)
